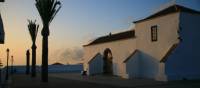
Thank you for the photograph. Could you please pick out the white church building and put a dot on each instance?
(163, 46)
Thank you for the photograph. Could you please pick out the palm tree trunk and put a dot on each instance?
(45, 34)
(33, 70)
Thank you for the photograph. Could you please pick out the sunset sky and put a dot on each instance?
(77, 22)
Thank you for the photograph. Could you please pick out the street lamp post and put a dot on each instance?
(12, 61)
(7, 50)
(1, 65)
(27, 62)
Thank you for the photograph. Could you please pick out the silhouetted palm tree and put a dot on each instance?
(33, 30)
(47, 10)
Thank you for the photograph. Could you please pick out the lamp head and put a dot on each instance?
(7, 50)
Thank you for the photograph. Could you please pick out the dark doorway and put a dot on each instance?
(108, 64)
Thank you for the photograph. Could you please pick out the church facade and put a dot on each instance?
(163, 46)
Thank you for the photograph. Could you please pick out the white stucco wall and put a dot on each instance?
(153, 52)
(120, 51)
(133, 66)
(96, 65)
(183, 63)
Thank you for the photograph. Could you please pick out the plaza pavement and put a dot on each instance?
(71, 80)
(128, 83)
(109, 80)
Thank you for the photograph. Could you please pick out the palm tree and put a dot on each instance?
(33, 30)
(47, 10)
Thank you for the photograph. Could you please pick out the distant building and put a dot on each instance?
(21, 69)
(57, 63)
(163, 46)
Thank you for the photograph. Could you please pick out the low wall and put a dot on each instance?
(51, 69)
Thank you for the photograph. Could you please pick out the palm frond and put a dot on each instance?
(47, 9)
(33, 29)
(55, 10)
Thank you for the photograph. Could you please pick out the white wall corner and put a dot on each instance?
(126, 76)
(87, 71)
(161, 77)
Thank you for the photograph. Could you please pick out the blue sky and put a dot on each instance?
(76, 22)
(91, 18)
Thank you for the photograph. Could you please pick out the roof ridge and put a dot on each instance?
(94, 57)
(129, 57)
(169, 9)
(113, 37)
(170, 50)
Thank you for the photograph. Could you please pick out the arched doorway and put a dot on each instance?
(108, 64)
